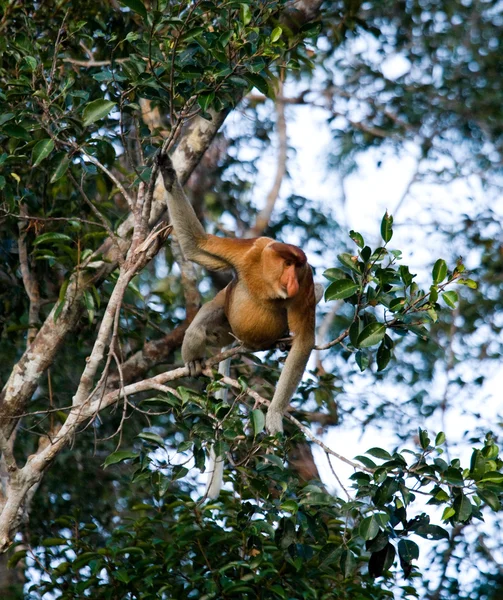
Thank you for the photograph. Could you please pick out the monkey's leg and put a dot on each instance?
(210, 327)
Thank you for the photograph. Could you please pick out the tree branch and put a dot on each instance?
(264, 216)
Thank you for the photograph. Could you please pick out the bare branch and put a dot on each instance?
(29, 280)
(93, 63)
(265, 214)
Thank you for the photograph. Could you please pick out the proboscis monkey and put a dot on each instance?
(271, 295)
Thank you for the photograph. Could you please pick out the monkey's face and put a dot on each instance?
(283, 265)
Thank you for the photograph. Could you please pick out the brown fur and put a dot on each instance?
(272, 294)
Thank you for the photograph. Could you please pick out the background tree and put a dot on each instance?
(95, 304)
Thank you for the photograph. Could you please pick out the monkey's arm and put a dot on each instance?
(301, 320)
(190, 232)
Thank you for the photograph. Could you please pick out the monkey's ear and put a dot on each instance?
(289, 252)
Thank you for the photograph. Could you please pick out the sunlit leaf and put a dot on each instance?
(468, 282)
(276, 34)
(439, 272)
(450, 298)
(343, 288)
(41, 150)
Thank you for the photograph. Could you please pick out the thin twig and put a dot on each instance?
(105, 225)
(102, 167)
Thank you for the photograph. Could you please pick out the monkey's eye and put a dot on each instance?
(288, 263)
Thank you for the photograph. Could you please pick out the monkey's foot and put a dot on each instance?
(195, 367)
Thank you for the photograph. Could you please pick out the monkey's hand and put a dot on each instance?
(167, 170)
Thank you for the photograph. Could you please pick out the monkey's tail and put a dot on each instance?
(216, 464)
(216, 475)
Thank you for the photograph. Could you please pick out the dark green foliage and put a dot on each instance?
(119, 515)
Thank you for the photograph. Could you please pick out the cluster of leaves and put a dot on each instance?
(373, 278)
(274, 538)
(182, 57)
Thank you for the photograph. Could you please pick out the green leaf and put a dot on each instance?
(151, 437)
(179, 471)
(54, 541)
(357, 238)
(397, 304)
(89, 304)
(276, 34)
(440, 439)
(371, 335)
(334, 274)
(473, 285)
(7, 116)
(450, 298)
(381, 560)
(348, 563)
(408, 550)
(354, 331)
(432, 532)
(406, 275)
(463, 507)
(190, 34)
(453, 476)
(424, 440)
(350, 261)
(61, 169)
(96, 110)
(362, 360)
(245, 14)
(366, 253)
(379, 453)
(206, 100)
(387, 227)
(383, 356)
(137, 7)
(490, 498)
(258, 421)
(51, 237)
(41, 150)
(369, 528)
(290, 506)
(16, 557)
(343, 288)
(439, 272)
(448, 513)
(275, 460)
(17, 132)
(30, 62)
(493, 476)
(119, 456)
(257, 81)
